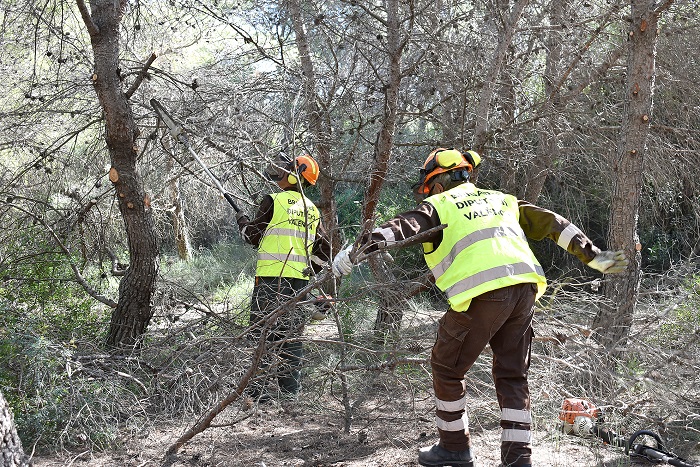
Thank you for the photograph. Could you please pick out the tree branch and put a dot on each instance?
(78, 276)
(141, 76)
(92, 28)
(662, 7)
(360, 255)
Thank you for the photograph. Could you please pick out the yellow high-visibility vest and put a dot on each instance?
(286, 245)
(483, 248)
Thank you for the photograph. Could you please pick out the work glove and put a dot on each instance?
(610, 262)
(342, 264)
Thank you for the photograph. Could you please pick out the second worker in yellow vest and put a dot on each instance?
(291, 242)
(482, 263)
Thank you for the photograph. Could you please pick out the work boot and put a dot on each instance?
(260, 397)
(437, 456)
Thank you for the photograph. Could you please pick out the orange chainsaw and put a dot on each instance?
(581, 417)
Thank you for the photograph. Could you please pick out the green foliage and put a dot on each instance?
(393, 200)
(213, 269)
(684, 321)
(44, 314)
(356, 317)
(55, 402)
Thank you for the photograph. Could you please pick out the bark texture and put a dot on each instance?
(613, 323)
(391, 307)
(133, 311)
(11, 452)
(319, 125)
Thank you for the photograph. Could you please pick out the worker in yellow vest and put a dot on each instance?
(291, 242)
(482, 263)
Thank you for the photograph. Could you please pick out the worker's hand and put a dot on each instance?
(610, 262)
(240, 214)
(342, 264)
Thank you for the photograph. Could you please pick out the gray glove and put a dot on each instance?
(610, 262)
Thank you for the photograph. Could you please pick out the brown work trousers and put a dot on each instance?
(503, 319)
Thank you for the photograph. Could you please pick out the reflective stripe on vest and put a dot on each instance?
(483, 249)
(285, 247)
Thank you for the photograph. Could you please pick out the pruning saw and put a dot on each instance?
(179, 134)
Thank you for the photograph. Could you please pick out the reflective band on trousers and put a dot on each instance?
(282, 258)
(566, 235)
(457, 425)
(515, 415)
(479, 235)
(492, 274)
(451, 406)
(387, 233)
(516, 436)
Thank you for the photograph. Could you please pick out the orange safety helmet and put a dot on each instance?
(304, 165)
(443, 160)
(307, 167)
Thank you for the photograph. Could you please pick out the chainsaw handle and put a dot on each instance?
(680, 463)
(637, 434)
(655, 454)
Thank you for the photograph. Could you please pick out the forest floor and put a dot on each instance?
(306, 433)
(291, 434)
(393, 416)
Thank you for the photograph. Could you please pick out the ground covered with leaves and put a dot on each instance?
(367, 400)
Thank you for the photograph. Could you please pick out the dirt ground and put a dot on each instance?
(395, 419)
(290, 435)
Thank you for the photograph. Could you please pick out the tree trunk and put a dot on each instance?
(319, 125)
(390, 312)
(11, 452)
(613, 323)
(133, 312)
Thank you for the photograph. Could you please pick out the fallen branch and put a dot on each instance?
(205, 422)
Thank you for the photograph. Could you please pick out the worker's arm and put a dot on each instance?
(252, 231)
(399, 228)
(404, 226)
(321, 249)
(539, 223)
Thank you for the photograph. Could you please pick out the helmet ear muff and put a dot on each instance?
(293, 177)
(459, 176)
